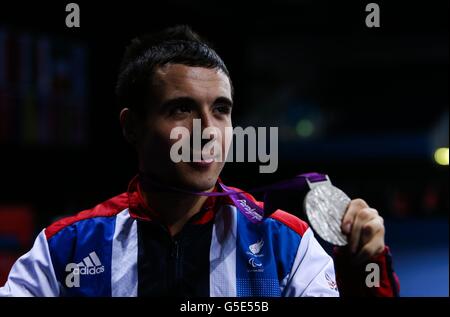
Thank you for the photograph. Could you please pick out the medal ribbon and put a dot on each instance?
(246, 206)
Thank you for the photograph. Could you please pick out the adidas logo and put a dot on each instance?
(90, 265)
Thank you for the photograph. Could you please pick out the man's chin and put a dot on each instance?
(197, 179)
(199, 184)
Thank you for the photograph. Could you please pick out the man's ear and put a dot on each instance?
(128, 124)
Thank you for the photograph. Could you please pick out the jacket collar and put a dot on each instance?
(139, 209)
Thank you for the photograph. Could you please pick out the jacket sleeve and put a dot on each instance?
(32, 274)
(312, 272)
(352, 279)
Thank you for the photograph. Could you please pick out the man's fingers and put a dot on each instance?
(370, 228)
(371, 249)
(362, 217)
(349, 217)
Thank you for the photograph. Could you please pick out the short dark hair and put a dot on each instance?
(177, 45)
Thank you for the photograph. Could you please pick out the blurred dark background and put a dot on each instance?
(369, 107)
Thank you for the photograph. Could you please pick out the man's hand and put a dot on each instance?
(364, 229)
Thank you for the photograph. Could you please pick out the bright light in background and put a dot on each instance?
(441, 156)
(305, 128)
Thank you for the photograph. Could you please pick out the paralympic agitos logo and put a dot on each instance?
(255, 254)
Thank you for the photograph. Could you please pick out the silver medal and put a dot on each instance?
(325, 206)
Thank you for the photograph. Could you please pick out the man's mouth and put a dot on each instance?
(202, 164)
(205, 158)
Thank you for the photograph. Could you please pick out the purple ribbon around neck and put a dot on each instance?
(246, 206)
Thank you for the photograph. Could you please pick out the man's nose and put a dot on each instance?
(206, 119)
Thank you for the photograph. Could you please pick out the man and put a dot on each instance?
(160, 239)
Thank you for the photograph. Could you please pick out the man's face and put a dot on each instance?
(184, 93)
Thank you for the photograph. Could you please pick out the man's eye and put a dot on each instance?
(225, 109)
(180, 109)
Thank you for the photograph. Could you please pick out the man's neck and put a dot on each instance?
(175, 209)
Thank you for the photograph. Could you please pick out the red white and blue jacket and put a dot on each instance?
(119, 248)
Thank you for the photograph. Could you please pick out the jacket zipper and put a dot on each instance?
(176, 254)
